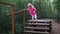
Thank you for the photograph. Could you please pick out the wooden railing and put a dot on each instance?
(24, 17)
(12, 10)
(21, 11)
(14, 13)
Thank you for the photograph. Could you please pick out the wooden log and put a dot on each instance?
(6, 3)
(43, 28)
(12, 10)
(44, 24)
(39, 20)
(24, 20)
(9, 14)
(37, 32)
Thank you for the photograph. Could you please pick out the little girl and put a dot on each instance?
(32, 11)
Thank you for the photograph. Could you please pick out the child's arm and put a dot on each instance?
(34, 10)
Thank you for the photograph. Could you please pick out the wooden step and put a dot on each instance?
(38, 24)
(39, 20)
(45, 28)
(37, 32)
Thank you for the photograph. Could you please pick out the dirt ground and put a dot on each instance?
(55, 27)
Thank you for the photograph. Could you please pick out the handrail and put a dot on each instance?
(24, 18)
(14, 13)
(6, 3)
(12, 10)
(24, 21)
(9, 14)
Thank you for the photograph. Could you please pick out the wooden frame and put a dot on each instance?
(12, 10)
(14, 13)
(9, 14)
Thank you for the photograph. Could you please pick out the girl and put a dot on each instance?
(32, 11)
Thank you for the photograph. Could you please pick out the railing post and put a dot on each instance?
(12, 9)
(24, 21)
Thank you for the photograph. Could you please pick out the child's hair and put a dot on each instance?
(29, 4)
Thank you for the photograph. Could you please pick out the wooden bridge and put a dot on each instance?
(38, 27)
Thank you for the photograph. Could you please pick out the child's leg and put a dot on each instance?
(35, 17)
(32, 17)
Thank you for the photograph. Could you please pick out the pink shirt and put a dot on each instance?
(32, 11)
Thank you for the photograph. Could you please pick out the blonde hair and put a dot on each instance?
(30, 4)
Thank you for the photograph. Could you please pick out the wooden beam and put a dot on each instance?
(24, 20)
(40, 28)
(9, 14)
(36, 32)
(6, 3)
(12, 10)
(39, 24)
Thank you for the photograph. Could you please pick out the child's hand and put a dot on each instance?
(33, 11)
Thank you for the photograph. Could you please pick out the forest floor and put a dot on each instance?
(55, 27)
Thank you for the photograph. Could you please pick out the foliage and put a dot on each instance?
(58, 10)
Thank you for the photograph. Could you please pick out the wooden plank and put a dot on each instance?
(44, 28)
(12, 10)
(9, 14)
(38, 24)
(36, 32)
(24, 20)
(39, 20)
(6, 3)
